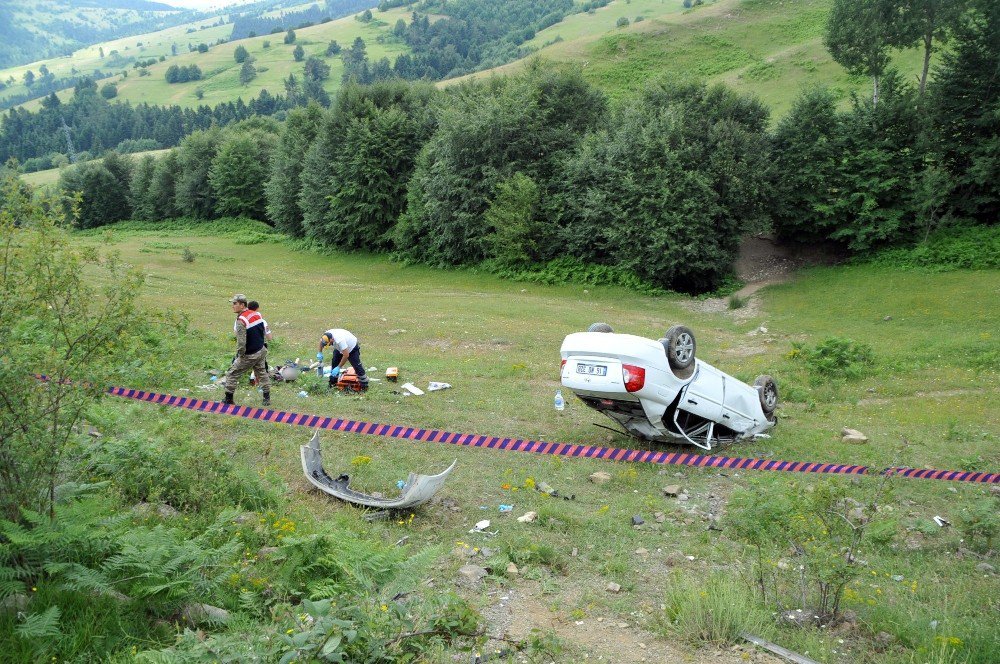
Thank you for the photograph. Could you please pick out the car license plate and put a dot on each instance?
(592, 369)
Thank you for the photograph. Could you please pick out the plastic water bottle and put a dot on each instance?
(560, 403)
(319, 367)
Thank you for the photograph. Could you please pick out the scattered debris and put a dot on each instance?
(528, 517)
(412, 389)
(637, 520)
(417, 490)
(683, 497)
(480, 526)
(897, 577)
(506, 508)
(434, 386)
(392, 374)
(793, 657)
(941, 521)
(853, 437)
(600, 477)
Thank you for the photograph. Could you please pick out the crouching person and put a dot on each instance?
(251, 352)
(345, 349)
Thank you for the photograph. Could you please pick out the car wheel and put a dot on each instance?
(599, 327)
(767, 391)
(680, 347)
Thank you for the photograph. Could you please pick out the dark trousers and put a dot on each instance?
(354, 357)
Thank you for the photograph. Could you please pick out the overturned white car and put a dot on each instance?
(659, 390)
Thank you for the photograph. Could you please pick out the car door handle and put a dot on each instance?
(693, 401)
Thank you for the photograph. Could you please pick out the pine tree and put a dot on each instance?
(965, 101)
(284, 185)
(247, 72)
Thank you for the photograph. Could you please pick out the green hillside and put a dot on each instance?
(29, 29)
(119, 54)
(220, 82)
(770, 48)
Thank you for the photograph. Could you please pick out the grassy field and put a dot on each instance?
(769, 48)
(220, 82)
(933, 382)
(145, 46)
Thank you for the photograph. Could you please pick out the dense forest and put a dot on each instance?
(472, 35)
(250, 24)
(88, 124)
(529, 174)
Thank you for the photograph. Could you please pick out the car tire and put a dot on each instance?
(767, 391)
(680, 347)
(600, 327)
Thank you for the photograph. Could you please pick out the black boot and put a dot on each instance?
(229, 399)
(267, 399)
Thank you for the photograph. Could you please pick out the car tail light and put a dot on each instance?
(562, 364)
(634, 377)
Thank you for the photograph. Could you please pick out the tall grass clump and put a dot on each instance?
(717, 611)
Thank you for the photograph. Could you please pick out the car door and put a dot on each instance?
(705, 394)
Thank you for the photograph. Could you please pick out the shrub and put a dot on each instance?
(737, 302)
(622, 22)
(717, 611)
(968, 248)
(835, 357)
(805, 541)
(187, 255)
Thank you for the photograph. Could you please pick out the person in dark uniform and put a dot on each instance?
(251, 352)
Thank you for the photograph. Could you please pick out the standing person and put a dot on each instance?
(251, 353)
(345, 349)
(254, 305)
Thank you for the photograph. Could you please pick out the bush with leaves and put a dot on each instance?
(486, 133)
(835, 358)
(805, 541)
(354, 182)
(669, 187)
(54, 321)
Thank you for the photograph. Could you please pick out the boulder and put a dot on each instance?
(14, 603)
(600, 477)
(985, 568)
(470, 575)
(672, 490)
(852, 437)
(512, 569)
(614, 588)
(199, 614)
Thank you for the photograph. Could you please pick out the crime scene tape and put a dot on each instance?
(540, 447)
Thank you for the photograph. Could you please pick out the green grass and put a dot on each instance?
(769, 48)
(87, 60)
(497, 344)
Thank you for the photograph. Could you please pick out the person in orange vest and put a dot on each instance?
(251, 351)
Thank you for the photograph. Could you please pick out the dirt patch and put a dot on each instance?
(763, 262)
(516, 611)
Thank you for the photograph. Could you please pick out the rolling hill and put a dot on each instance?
(220, 82)
(770, 48)
(53, 27)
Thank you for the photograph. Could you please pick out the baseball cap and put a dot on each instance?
(239, 297)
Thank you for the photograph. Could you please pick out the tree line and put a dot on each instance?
(517, 173)
(88, 123)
